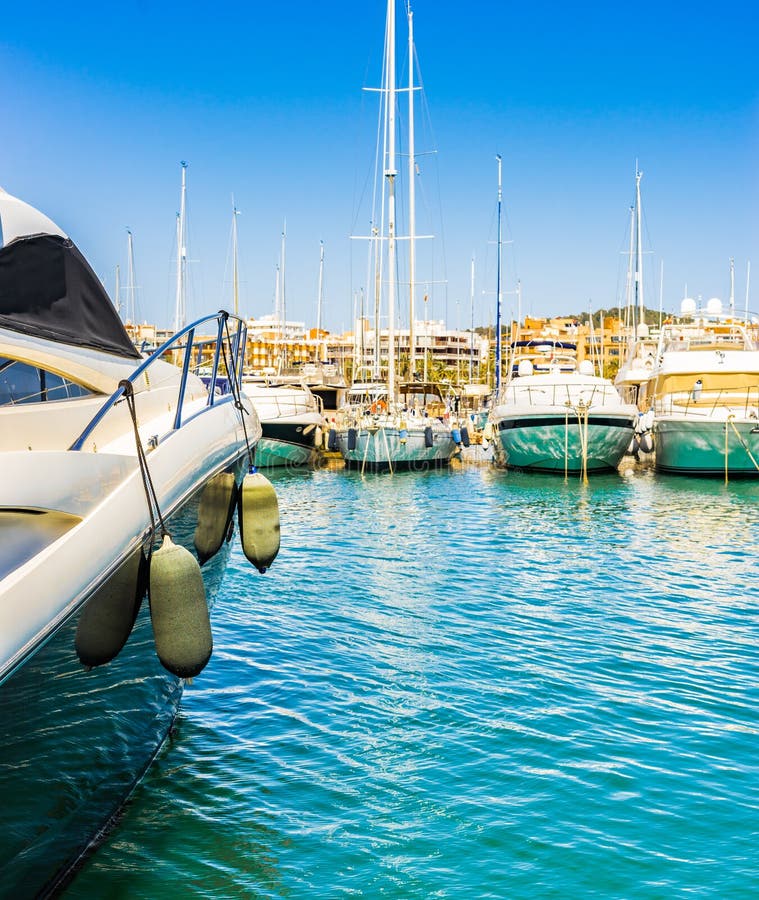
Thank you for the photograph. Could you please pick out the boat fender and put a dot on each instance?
(179, 611)
(352, 435)
(109, 615)
(428, 437)
(332, 440)
(646, 442)
(634, 446)
(488, 431)
(217, 503)
(258, 516)
(456, 435)
(465, 440)
(402, 431)
(318, 437)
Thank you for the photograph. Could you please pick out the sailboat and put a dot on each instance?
(381, 428)
(291, 416)
(637, 367)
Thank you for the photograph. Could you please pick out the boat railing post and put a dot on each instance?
(222, 319)
(183, 380)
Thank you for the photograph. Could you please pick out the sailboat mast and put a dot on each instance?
(471, 320)
(638, 251)
(283, 300)
(180, 308)
(320, 293)
(629, 317)
(732, 286)
(277, 320)
(411, 194)
(390, 175)
(498, 287)
(748, 282)
(377, 304)
(235, 269)
(131, 304)
(117, 293)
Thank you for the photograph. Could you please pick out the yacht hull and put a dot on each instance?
(384, 448)
(287, 444)
(76, 742)
(692, 447)
(554, 443)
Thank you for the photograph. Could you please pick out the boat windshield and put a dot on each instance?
(22, 382)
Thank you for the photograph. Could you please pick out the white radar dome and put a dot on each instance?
(688, 306)
(714, 306)
(642, 330)
(586, 367)
(525, 367)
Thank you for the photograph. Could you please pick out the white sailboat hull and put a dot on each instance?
(383, 446)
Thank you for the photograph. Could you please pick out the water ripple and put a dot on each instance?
(469, 684)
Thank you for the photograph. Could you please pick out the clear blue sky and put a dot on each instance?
(100, 102)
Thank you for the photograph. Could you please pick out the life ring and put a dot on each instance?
(378, 407)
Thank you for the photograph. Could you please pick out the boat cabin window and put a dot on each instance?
(366, 397)
(22, 382)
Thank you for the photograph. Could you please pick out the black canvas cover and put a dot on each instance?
(47, 289)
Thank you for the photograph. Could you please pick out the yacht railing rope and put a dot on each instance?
(154, 509)
(730, 421)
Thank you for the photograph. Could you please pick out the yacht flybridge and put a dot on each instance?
(104, 457)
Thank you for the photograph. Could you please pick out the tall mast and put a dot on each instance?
(629, 316)
(411, 194)
(131, 304)
(235, 269)
(748, 282)
(471, 320)
(180, 309)
(377, 304)
(498, 287)
(321, 289)
(277, 320)
(638, 251)
(732, 286)
(283, 299)
(390, 175)
(117, 292)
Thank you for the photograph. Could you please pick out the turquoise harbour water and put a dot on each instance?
(469, 684)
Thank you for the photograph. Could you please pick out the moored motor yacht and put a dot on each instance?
(556, 415)
(703, 394)
(291, 422)
(103, 455)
